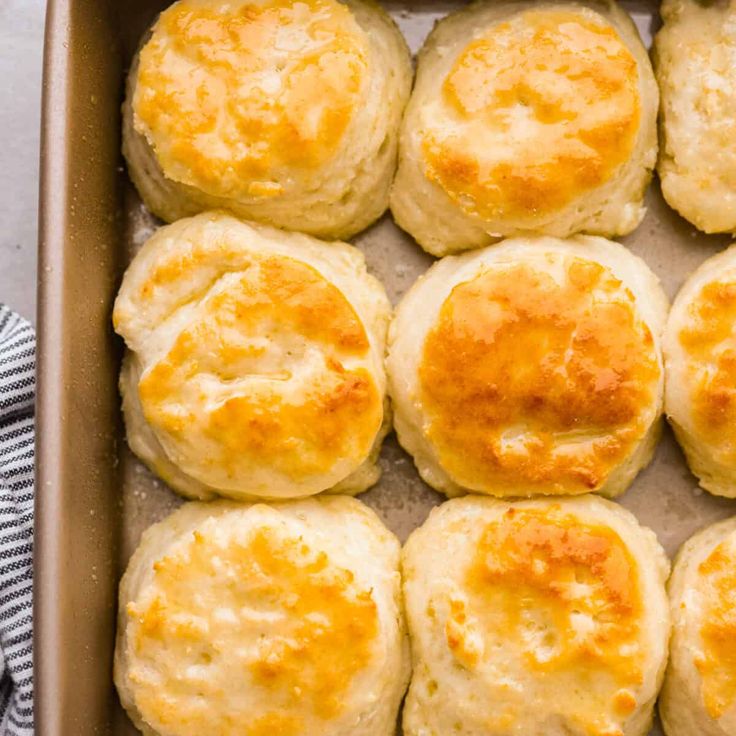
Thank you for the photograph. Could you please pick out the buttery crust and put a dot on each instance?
(700, 356)
(695, 63)
(699, 694)
(263, 620)
(255, 363)
(281, 112)
(545, 618)
(530, 367)
(527, 117)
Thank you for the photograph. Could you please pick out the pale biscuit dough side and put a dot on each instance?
(698, 697)
(256, 360)
(695, 64)
(256, 620)
(544, 617)
(533, 366)
(282, 113)
(700, 354)
(527, 118)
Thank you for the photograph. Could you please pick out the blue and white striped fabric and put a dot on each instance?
(17, 398)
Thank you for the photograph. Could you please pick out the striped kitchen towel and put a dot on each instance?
(17, 396)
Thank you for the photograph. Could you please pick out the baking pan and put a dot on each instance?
(94, 499)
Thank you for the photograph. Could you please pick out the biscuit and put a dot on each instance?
(281, 620)
(255, 362)
(694, 63)
(530, 367)
(699, 693)
(544, 618)
(286, 113)
(700, 358)
(527, 118)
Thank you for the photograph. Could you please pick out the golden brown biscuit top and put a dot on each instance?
(564, 597)
(709, 341)
(538, 379)
(237, 97)
(269, 373)
(536, 112)
(717, 664)
(253, 634)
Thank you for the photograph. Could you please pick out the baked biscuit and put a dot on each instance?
(699, 693)
(527, 117)
(281, 620)
(695, 64)
(700, 360)
(279, 111)
(542, 618)
(530, 367)
(255, 362)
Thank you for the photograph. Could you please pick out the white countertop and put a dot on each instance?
(21, 57)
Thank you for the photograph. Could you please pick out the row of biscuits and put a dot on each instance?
(255, 365)
(540, 617)
(525, 118)
(260, 363)
(532, 617)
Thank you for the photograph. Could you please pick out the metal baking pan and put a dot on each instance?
(93, 498)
